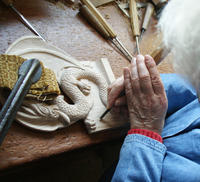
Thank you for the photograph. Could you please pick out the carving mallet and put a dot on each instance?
(134, 23)
(9, 3)
(94, 13)
(29, 72)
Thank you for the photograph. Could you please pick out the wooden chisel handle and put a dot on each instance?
(100, 18)
(159, 54)
(148, 14)
(93, 21)
(134, 18)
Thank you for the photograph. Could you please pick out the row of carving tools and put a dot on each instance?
(130, 9)
(93, 16)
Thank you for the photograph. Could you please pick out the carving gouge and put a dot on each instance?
(9, 3)
(134, 23)
(98, 21)
(147, 17)
(29, 72)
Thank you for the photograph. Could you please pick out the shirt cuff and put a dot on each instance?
(147, 133)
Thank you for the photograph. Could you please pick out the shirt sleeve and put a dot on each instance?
(141, 159)
(177, 88)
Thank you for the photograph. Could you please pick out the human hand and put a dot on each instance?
(145, 94)
(115, 96)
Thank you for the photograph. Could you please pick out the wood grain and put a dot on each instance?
(134, 18)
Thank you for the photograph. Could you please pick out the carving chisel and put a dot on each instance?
(9, 3)
(147, 17)
(134, 23)
(99, 21)
(108, 110)
(29, 72)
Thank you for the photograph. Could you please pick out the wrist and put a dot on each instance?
(156, 128)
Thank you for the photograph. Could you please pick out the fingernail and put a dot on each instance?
(133, 61)
(147, 57)
(126, 73)
(140, 57)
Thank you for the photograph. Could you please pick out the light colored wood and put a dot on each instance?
(148, 14)
(98, 3)
(134, 18)
(96, 79)
(107, 70)
(99, 17)
(159, 54)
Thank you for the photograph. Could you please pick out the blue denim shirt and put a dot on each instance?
(178, 158)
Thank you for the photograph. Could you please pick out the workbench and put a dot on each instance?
(61, 25)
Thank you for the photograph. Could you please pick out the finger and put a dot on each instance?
(144, 76)
(121, 101)
(120, 79)
(109, 89)
(128, 86)
(116, 88)
(124, 110)
(154, 74)
(134, 77)
(115, 110)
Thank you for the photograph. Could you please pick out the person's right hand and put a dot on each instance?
(140, 111)
(145, 95)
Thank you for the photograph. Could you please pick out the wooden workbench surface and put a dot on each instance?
(60, 25)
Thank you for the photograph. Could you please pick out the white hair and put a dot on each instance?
(180, 25)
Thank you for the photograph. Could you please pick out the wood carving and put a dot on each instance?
(84, 86)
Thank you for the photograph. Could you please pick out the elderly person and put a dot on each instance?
(163, 143)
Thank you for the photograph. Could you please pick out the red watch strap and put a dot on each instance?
(147, 133)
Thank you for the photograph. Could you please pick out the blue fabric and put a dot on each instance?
(178, 158)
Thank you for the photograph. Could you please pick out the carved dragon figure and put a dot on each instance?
(72, 78)
(60, 110)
